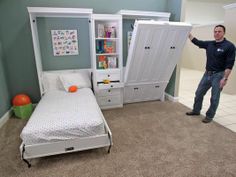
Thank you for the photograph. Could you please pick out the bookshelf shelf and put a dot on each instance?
(100, 54)
(99, 38)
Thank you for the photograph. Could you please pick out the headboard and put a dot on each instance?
(58, 79)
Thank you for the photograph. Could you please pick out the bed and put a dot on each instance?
(63, 121)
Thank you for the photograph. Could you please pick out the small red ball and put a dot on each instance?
(73, 88)
(20, 100)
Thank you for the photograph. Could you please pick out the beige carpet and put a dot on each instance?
(152, 139)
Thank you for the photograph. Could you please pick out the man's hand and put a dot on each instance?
(190, 36)
(223, 83)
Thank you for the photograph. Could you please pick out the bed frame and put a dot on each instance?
(65, 146)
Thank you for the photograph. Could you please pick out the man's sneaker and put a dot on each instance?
(207, 120)
(191, 113)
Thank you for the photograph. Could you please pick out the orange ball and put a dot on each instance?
(20, 100)
(73, 88)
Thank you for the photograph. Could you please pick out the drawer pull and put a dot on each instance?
(109, 90)
(111, 86)
(157, 86)
(69, 149)
(136, 88)
(109, 100)
(108, 75)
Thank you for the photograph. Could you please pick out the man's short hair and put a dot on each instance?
(222, 26)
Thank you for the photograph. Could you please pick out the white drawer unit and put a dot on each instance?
(144, 92)
(110, 95)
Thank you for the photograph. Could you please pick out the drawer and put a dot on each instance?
(112, 76)
(110, 85)
(109, 100)
(108, 92)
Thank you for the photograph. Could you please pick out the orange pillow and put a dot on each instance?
(73, 88)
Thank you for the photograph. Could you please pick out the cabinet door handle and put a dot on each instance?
(172, 47)
(135, 88)
(111, 86)
(109, 100)
(108, 75)
(157, 86)
(109, 90)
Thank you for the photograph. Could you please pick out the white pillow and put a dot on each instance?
(79, 79)
(51, 81)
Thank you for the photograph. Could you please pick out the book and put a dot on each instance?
(112, 62)
(101, 31)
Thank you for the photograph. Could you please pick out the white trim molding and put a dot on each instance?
(207, 24)
(230, 6)
(5, 117)
(171, 98)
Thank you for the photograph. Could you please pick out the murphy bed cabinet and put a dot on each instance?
(106, 53)
(154, 51)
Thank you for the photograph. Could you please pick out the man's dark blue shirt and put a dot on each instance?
(220, 55)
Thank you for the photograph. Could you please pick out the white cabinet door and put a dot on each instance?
(145, 46)
(174, 44)
(154, 51)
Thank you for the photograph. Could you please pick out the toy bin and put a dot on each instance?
(23, 112)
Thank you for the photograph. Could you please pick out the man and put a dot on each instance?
(220, 55)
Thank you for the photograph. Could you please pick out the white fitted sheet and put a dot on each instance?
(61, 116)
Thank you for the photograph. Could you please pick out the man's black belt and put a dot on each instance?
(212, 72)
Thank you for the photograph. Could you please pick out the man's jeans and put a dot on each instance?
(208, 81)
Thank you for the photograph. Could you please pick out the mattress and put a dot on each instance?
(62, 116)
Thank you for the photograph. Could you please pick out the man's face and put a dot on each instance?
(219, 33)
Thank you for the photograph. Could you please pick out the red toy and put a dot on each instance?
(20, 100)
(73, 88)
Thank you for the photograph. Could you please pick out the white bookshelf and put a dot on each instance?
(106, 53)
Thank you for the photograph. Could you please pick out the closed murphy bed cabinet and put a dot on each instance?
(155, 49)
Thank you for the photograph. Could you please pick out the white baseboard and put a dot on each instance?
(5, 117)
(171, 98)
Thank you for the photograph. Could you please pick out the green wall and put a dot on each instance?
(4, 94)
(17, 41)
(50, 62)
(126, 27)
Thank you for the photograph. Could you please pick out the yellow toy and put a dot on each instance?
(106, 81)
